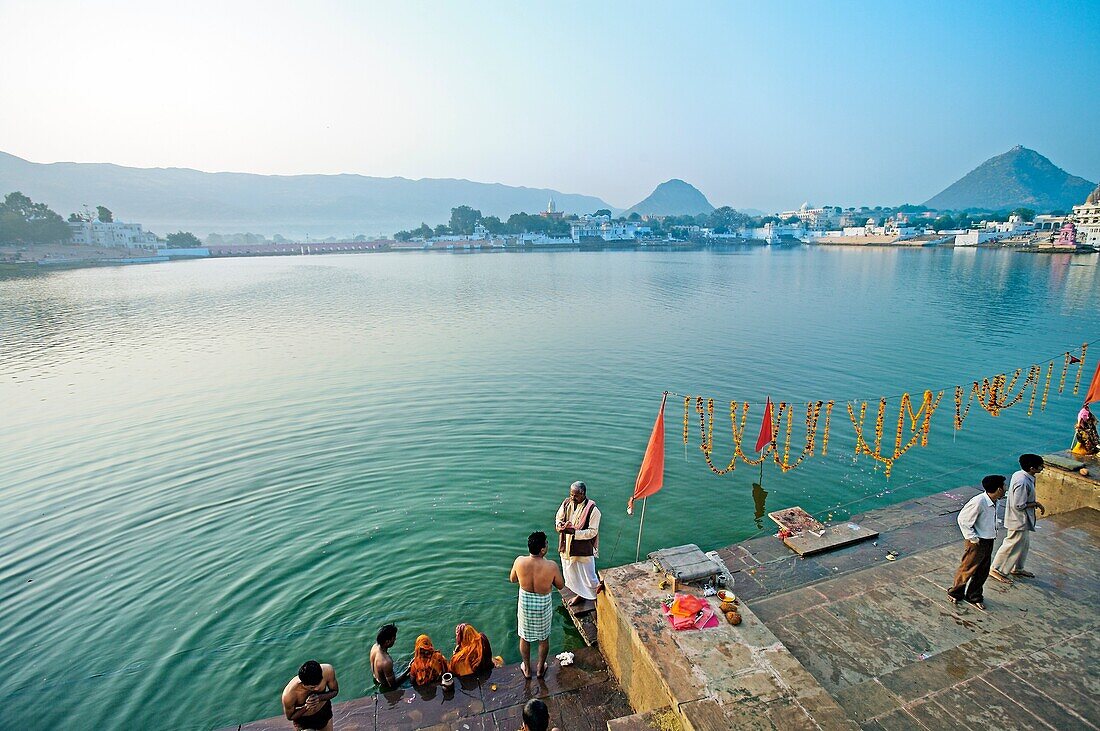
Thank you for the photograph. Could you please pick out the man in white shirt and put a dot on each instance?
(578, 525)
(978, 523)
(1019, 521)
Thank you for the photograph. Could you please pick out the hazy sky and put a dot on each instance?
(757, 105)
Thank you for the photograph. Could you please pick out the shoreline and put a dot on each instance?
(49, 259)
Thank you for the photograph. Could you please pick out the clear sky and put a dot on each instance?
(760, 105)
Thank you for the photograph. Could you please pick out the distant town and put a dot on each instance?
(31, 234)
(1017, 199)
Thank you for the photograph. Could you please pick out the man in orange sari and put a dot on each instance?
(428, 664)
(472, 651)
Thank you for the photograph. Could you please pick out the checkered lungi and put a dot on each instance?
(535, 613)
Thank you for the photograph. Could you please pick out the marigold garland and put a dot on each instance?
(784, 461)
(1037, 372)
(687, 402)
(1080, 367)
(739, 434)
(825, 436)
(1046, 388)
(706, 429)
(994, 394)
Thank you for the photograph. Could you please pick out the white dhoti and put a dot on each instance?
(580, 575)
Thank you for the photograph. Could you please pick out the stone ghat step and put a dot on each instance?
(579, 695)
(659, 719)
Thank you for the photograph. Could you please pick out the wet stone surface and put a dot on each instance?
(580, 696)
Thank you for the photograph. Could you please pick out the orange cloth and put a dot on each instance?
(1093, 394)
(470, 651)
(686, 605)
(428, 663)
(651, 475)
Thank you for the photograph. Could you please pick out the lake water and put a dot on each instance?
(212, 471)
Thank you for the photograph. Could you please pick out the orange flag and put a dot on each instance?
(1094, 389)
(651, 476)
(766, 434)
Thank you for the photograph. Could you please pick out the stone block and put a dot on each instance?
(866, 700)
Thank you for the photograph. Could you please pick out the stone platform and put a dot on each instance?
(580, 696)
(849, 639)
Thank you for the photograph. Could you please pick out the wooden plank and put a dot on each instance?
(583, 616)
(834, 536)
(796, 520)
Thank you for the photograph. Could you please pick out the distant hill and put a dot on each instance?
(171, 199)
(673, 198)
(1018, 178)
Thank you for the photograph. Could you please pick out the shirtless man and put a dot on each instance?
(307, 699)
(536, 577)
(381, 664)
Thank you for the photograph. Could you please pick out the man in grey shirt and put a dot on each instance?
(1020, 506)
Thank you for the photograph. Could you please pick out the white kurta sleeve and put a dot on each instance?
(593, 527)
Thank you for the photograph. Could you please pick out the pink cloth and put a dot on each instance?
(706, 620)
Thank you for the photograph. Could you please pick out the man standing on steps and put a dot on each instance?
(578, 526)
(1019, 521)
(537, 578)
(978, 523)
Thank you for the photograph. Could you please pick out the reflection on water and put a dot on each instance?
(759, 499)
(217, 465)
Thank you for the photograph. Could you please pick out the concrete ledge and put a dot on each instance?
(1063, 491)
(719, 678)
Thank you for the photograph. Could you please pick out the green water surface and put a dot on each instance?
(211, 471)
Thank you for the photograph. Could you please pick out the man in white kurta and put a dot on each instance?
(578, 526)
(1020, 507)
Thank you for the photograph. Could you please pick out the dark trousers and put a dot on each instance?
(973, 571)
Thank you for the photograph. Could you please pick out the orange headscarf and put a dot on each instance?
(428, 663)
(469, 652)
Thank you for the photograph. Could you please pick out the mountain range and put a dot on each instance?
(1019, 178)
(169, 199)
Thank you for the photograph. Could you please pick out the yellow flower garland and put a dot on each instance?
(993, 394)
(1080, 367)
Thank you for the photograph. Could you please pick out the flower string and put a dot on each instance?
(1080, 367)
(994, 394)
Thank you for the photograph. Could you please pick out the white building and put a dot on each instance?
(1045, 222)
(1087, 219)
(1014, 225)
(540, 239)
(602, 227)
(115, 234)
(812, 217)
(976, 236)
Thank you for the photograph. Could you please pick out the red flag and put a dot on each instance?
(1094, 389)
(651, 476)
(766, 434)
(1074, 359)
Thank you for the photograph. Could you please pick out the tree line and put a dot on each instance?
(464, 218)
(23, 221)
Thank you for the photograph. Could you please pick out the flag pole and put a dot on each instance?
(638, 551)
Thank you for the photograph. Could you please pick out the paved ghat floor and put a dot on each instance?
(849, 639)
(886, 643)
